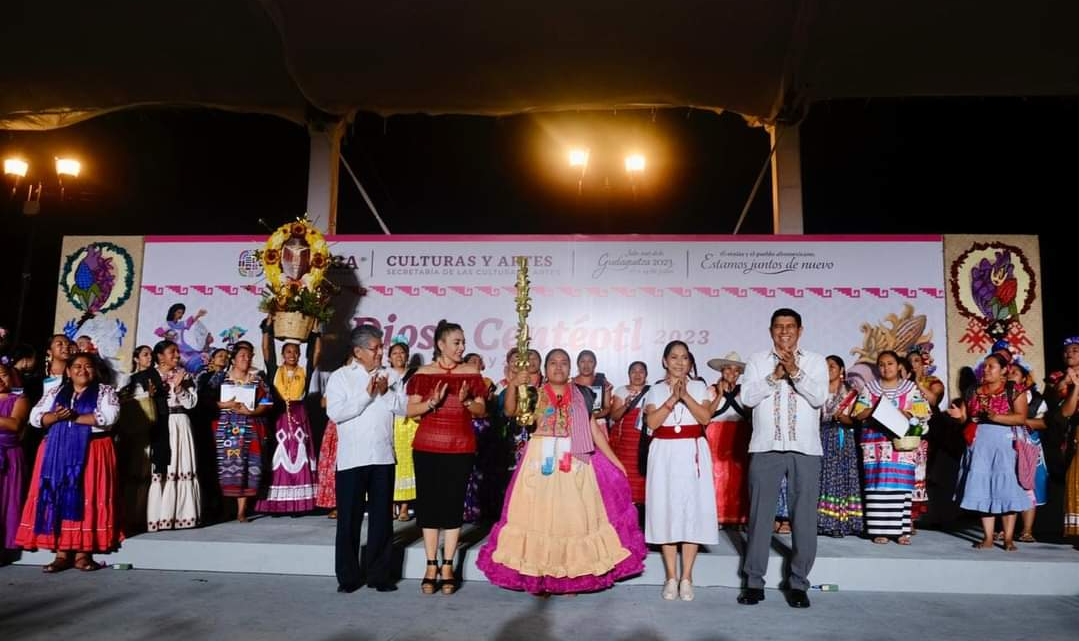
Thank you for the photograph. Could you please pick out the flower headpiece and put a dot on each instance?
(1073, 340)
(921, 348)
(399, 339)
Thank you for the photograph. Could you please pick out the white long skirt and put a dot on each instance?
(173, 501)
(680, 495)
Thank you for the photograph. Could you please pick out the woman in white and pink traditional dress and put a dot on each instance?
(568, 523)
(294, 468)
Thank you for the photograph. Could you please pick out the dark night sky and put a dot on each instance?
(1003, 165)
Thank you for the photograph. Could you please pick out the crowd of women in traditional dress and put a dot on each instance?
(667, 451)
(167, 450)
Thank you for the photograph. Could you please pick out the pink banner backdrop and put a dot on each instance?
(624, 297)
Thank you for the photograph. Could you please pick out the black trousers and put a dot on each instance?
(366, 488)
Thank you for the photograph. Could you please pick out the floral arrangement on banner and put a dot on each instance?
(993, 285)
(98, 278)
(295, 260)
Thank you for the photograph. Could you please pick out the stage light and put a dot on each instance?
(635, 163)
(578, 158)
(16, 167)
(68, 167)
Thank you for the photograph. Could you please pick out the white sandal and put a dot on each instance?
(670, 590)
(685, 590)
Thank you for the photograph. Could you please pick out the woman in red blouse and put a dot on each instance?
(447, 395)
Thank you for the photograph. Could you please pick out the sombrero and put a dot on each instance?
(730, 359)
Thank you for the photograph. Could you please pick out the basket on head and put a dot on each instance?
(292, 325)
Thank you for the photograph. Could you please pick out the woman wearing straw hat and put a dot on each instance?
(728, 436)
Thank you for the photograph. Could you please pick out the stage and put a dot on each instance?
(936, 562)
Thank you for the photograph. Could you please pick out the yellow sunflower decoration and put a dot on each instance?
(295, 260)
(311, 239)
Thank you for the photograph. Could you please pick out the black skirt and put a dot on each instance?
(441, 482)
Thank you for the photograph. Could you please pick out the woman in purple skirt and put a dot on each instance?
(14, 409)
(294, 481)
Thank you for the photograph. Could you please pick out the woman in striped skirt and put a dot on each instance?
(889, 473)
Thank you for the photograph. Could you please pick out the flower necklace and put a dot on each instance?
(438, 363)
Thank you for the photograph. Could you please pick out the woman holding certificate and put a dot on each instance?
(243, 400)
(587, 376)
(889, 471)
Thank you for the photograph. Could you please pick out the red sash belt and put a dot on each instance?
(683, 431)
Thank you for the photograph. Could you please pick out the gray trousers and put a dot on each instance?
(766, 471)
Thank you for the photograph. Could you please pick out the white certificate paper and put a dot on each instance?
(888, 415)
(597, 401)
(242, 393)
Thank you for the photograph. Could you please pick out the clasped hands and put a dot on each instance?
(377, 384)
(787, 365)
(678, 393)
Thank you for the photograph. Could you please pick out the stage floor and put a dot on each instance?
(941, 562)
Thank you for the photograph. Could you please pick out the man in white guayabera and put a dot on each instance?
(362, 398)
(785, 386)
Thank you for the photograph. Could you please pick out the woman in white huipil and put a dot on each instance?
(680, 499)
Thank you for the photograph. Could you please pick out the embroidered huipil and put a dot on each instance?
(786, 416)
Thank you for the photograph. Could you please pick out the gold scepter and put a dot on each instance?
(526, 396)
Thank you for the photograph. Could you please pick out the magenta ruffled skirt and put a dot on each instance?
(622, 514)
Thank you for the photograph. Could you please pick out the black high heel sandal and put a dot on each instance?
(449, 586)
(430, 586)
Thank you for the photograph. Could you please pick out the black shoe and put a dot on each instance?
(449, 586)
(383, 587)
(430, 586)
(798, 599)
(751, 596)
(348, 589)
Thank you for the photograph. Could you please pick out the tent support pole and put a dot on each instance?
(322, 173)
(786, 179)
